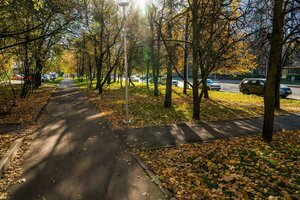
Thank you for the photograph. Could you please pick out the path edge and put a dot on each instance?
(38, 113)
(169, 195)
(8, 156)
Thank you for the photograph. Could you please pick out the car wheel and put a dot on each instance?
(284, 96)
(208, 88)
(246, 92)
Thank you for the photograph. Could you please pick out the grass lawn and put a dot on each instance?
(147, 110)
(55, 82)
(238, 168)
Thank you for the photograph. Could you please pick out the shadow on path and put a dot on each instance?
(77, 156)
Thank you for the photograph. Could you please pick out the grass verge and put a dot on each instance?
(148, 110)
(238, 168)
(55, 82)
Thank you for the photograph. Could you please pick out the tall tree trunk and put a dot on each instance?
(168, 95)
(26, 84)
(195, 43)
(274, 64)
(186, 55)
(157, 64)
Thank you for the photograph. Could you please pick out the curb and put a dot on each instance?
(37, 114)
(169, 195)
(6, 159)
(293, 86)
(11, 123)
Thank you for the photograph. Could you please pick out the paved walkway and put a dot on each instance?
(157, 137)
(77, 156)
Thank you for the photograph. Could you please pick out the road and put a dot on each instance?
(233, 86)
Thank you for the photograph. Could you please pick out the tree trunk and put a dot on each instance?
(37, 80)
(168, 95)
(155, 61)
(26, 84)
(277, 90)
(38, 75)
(274, 64)
(90, 73)
(147, 75)
(186, 55)
(195, 43)
(115, 75)
(205, 87)
(99, 77)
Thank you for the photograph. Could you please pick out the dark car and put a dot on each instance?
(257, 86)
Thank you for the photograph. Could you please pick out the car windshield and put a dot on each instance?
(283, 86)
(209, 81)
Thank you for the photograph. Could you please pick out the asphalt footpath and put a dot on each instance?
(77, 156)
(172, 135)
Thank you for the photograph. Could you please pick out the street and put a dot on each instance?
(233, 86)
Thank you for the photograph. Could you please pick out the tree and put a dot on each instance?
(274, 65)
(168, 95)
(219, 42)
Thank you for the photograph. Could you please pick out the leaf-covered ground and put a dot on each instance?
(148, 110)
(13, 172)
(6, 141)
(239, 168)
(25, 108)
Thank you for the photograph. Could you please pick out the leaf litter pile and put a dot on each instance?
(238, 168)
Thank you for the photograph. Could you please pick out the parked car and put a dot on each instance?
(211, 85)
(285, 91)
(29, 78)
(16, 77)
(164, 81)
(175, 82)
(52, 77)
(257, 86)
(45, 78)
(135, 79)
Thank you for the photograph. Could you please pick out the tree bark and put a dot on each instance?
(274, 64)
(195, 43)
(277, 89)
(186, 55)
(147, 75)
(204, 86)
(168, 95)
(38, 74)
